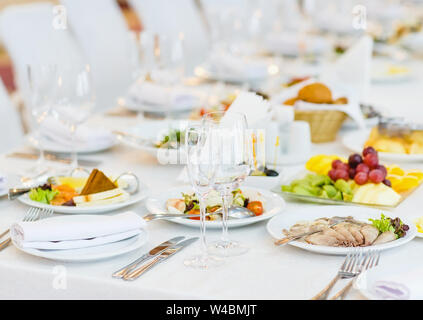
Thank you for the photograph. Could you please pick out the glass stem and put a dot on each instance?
(203, 208)
(226, 203)
(74, 155)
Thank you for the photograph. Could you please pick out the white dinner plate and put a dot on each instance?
(139, 196)
(54, 147)
(404, 278)
(137, 106)
(150, 132)
(101, 252)
(206, 71)
(291, 217)
(356, 139)
(273, 205)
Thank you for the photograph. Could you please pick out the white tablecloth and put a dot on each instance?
(265, 272)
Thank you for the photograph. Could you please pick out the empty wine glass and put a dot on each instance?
(73, 100)
(234, 159)
(40, 95)
(201, 167)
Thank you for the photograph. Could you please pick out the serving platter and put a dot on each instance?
(292, 216)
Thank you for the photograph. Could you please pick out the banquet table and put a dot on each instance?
(265, 272)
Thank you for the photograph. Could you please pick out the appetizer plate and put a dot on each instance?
(54, 147)
(355, 141)
(146, 134)
(402, 281)
(288, 219)
(101, 252)
(135, 198)
(273, 205)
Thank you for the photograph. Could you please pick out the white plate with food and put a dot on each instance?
(388, 282)
(346, 236)
(356, 140)
(163, 139)
(173, 201)
(100, 252)
(94, 194)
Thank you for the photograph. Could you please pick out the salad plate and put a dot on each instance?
(385, 282)
(355, 141)
(277, 224)
(100, 252)
(272, 205)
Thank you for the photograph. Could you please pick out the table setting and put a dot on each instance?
(281, 167)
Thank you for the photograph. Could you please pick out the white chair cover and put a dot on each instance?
(101, 31)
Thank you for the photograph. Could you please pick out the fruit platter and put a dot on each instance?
(359, 180)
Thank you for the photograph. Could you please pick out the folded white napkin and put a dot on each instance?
(353, 69)
(162, 96)
(76, 231)
(293, 44)
(85, 137)
(240, 67)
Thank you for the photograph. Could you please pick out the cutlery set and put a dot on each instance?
(157, 255)
(355, 263)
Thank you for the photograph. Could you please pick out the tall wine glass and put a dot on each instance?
(73, 100)
(201, 167)
(234, 163)
(40, 94)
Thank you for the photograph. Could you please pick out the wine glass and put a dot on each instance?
(73, 100)
(201, 167)
(234, 162)
(40, 94)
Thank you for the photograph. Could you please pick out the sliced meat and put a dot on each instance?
(384, 237)
(331, 232)
(298, 228)
(322, 239)
(342, 229)
(369, 233)
(355, 231)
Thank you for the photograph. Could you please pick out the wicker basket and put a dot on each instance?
(324, 124)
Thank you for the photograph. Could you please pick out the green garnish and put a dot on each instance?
(172, 140)
(42, 195)
(383, 224)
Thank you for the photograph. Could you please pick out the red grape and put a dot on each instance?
(387, 182)
(362, 168)
(343, 166)
(332, 174)
(372, 160)
(354, 160)
(383, 169)
(361, 178)
(352, 173)
(336, 163)
(376, 176)
(341, 174)
(368, 150)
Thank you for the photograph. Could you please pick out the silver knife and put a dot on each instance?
(53, 157)
(163, 256)
(152, 253)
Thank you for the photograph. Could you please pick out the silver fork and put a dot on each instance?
(370, 260)
(347, 270)
(32, 214)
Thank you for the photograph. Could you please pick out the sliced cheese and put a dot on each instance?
(98, 196)
(116, 199)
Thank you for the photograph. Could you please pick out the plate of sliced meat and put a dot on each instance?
(338, 229)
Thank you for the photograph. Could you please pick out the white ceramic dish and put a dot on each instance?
(355, 141)
(290, 217)
(91, 253)
(273, 205)
(54, 147)
(139, 196)
(405, 278)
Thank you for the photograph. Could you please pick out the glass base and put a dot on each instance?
(228, 248)
(203, 262)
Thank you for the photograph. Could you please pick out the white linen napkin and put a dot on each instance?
(353, 69)
(163, 97)
(293, 44)
(76, 231)
(239, 67)
(85, 137)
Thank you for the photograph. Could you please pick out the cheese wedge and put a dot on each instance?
(94, 197)
(119, 198)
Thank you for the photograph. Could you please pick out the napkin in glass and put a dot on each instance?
(77, 231)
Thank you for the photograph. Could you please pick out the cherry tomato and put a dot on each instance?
(256, 207)
(196, 211)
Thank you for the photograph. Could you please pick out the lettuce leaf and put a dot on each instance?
(43, 196)
(383, 224)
